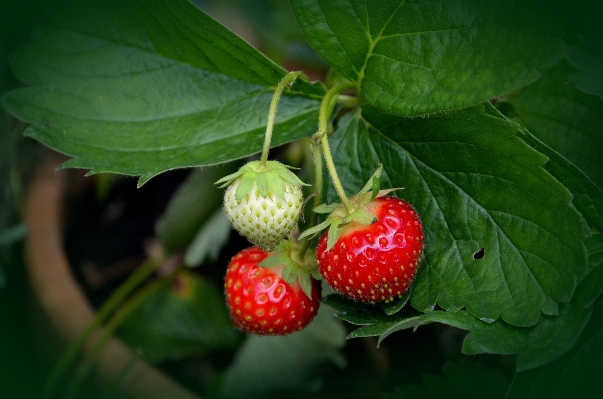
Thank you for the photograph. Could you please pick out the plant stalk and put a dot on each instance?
(326, 111)
(318, 185)
(287, 80)
(124, 290)
(112, 325)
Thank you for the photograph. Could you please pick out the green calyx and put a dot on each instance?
(304, 269)
(269, 176)
(357, 212)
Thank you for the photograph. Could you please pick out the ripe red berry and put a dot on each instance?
(375, 262)
(261, 301)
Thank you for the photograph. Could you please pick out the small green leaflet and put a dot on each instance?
(412, 57)
(476, 185)
(140, 87)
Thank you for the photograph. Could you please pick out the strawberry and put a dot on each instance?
(261, 300)
(376, 261)
(263, 202)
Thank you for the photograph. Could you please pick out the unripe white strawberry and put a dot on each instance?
(263, 202)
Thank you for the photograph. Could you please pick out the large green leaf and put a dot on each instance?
(412, 57)
(565, 118)
(589, 63)
(140, 87)
(577, 374)
(553, 336)
(588, 198)
(186, 319)
(476, 186)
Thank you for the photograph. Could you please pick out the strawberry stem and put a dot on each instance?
(318, 185)
(287, 80)
(326, 111)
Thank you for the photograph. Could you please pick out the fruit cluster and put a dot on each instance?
(369, 253)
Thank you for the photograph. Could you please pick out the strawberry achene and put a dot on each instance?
(375, 262)
(261, 301)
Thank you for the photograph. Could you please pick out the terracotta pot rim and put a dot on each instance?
(63, 300)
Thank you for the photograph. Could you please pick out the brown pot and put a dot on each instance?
(62, 299)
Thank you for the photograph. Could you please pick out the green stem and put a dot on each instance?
(124, 290)
(118, 318)
(318, 186)
(326, 111)
(347, 101)
(287, 80)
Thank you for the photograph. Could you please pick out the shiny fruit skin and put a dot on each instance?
(376, 262)
(261, 302)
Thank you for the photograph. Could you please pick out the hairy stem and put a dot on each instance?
(287, 80)
(326, 111)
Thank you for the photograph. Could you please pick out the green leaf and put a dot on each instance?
(412, 57)
(138, 88)
(553, 335)
(356, 312)
(589, 63)
(186, 319)
(577, 374)
(190, 207)
(209, 241)
(538, 345)
(588, 198)
(461, 319)
(293, 363)
(379, 319)
(466, 379)
(591, 287)
(566, 119)
(394, 306)
(476, 185)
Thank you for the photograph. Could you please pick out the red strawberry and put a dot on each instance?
(261, 301)
(374, 262)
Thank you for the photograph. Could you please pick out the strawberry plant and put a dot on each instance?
(453, 150)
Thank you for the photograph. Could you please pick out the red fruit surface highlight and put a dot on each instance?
(261, 301)
(375, 262)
